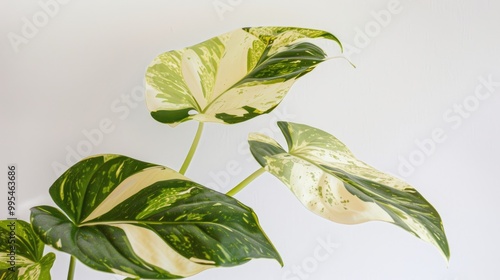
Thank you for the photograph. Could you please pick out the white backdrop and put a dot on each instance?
(425, 72)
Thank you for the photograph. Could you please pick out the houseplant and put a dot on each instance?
(142, 220)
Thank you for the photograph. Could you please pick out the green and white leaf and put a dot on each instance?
(331, 182)
(232, 77)
(139, 219)
(27, 251)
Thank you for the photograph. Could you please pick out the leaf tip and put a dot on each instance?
(280, 261)
(282, 124)
(446, 254)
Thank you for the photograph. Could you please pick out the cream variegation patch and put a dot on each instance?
(323, 193)
(217, 78)
(131, 186)
(155, 251)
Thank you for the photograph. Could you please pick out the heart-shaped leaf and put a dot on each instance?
(143, 220)
(232, 77)
(21, 253)
(326, 177)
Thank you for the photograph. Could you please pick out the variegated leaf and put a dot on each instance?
(232, 77)
(21, 253)
(139, 219)
(326, 177)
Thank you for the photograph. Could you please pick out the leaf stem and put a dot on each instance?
(246, 181)
(192, 150)
(71, 270)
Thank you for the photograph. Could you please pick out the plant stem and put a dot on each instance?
(71, 270)
(246, 181)
(192, 150)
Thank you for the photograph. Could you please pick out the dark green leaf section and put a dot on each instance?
(86, 184)
(294, 62)
(224, 230)
(252, 112)
(172, 115)
(22, 253)
(261, 150)
(123, 200)
(103, 248)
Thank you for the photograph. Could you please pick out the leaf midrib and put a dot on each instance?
(177, 223)
(107, 223)
(239, 81)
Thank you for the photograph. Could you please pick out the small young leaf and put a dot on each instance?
(143, 220)
(326, 177)
(232, 77)
(21, 253)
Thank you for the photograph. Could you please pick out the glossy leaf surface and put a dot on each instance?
(232, 77)
(143, 220)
